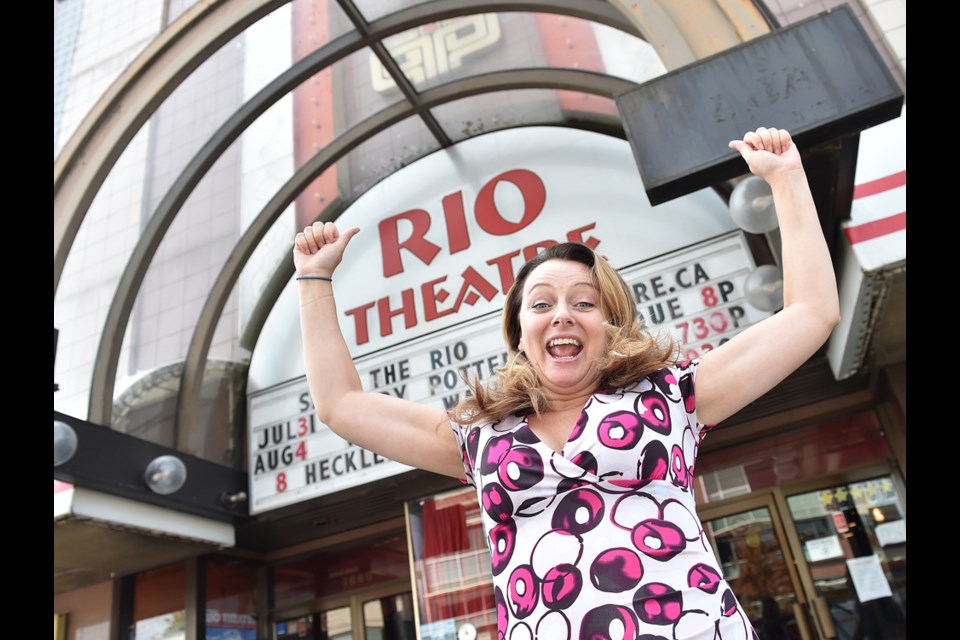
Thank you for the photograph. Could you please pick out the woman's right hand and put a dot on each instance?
(318, 249)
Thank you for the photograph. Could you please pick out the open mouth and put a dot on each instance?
(564, 347)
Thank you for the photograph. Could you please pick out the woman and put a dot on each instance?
(583, 450)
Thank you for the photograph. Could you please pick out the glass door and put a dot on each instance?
(328, 624)
(749, 541)
(854, 543)
(379, 613)
(389, 617)
(360, 591)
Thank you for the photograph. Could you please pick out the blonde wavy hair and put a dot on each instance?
(632, 352)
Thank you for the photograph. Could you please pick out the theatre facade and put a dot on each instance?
(197, 494)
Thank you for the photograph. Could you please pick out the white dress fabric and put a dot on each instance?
(602, 540)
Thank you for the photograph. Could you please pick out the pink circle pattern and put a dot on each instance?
(602, 539)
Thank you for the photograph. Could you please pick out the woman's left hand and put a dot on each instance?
(768, 151)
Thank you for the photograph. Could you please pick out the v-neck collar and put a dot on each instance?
(576, 429)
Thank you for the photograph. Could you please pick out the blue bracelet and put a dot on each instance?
(315, 278)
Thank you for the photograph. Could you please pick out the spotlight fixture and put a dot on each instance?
(165, 474)
(64, 442)
(751, 205)
(763, 288)
(230, 499)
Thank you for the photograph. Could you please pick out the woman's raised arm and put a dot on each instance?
(754, 361)
(408, 432)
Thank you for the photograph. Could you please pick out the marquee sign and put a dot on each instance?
(697, 294)
(420, 288)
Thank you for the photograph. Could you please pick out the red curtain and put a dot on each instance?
(444, 530)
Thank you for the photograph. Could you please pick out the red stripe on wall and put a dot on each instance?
(880, 185)
(877, 228)
(569, 43)
(314, 126)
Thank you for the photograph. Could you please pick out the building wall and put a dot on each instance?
(94, 41)
(885, 21)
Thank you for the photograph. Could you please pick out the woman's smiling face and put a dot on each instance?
(561, 327)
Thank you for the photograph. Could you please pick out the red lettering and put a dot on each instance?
(430, 298)
(406, 308)
(700, 329)
(530, 252)
(473, 280)
(718, 322)
(416, 244)
(534, 197)
(504, 266)
(457, 236)
(360, 322)
(709, 296)
(473, 286)
(577, 236)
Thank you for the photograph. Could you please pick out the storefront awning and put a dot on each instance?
(98, 536)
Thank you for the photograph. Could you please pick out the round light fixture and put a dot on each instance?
(763, 288)
(64, 442)
(165, 474)
(751, 205)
